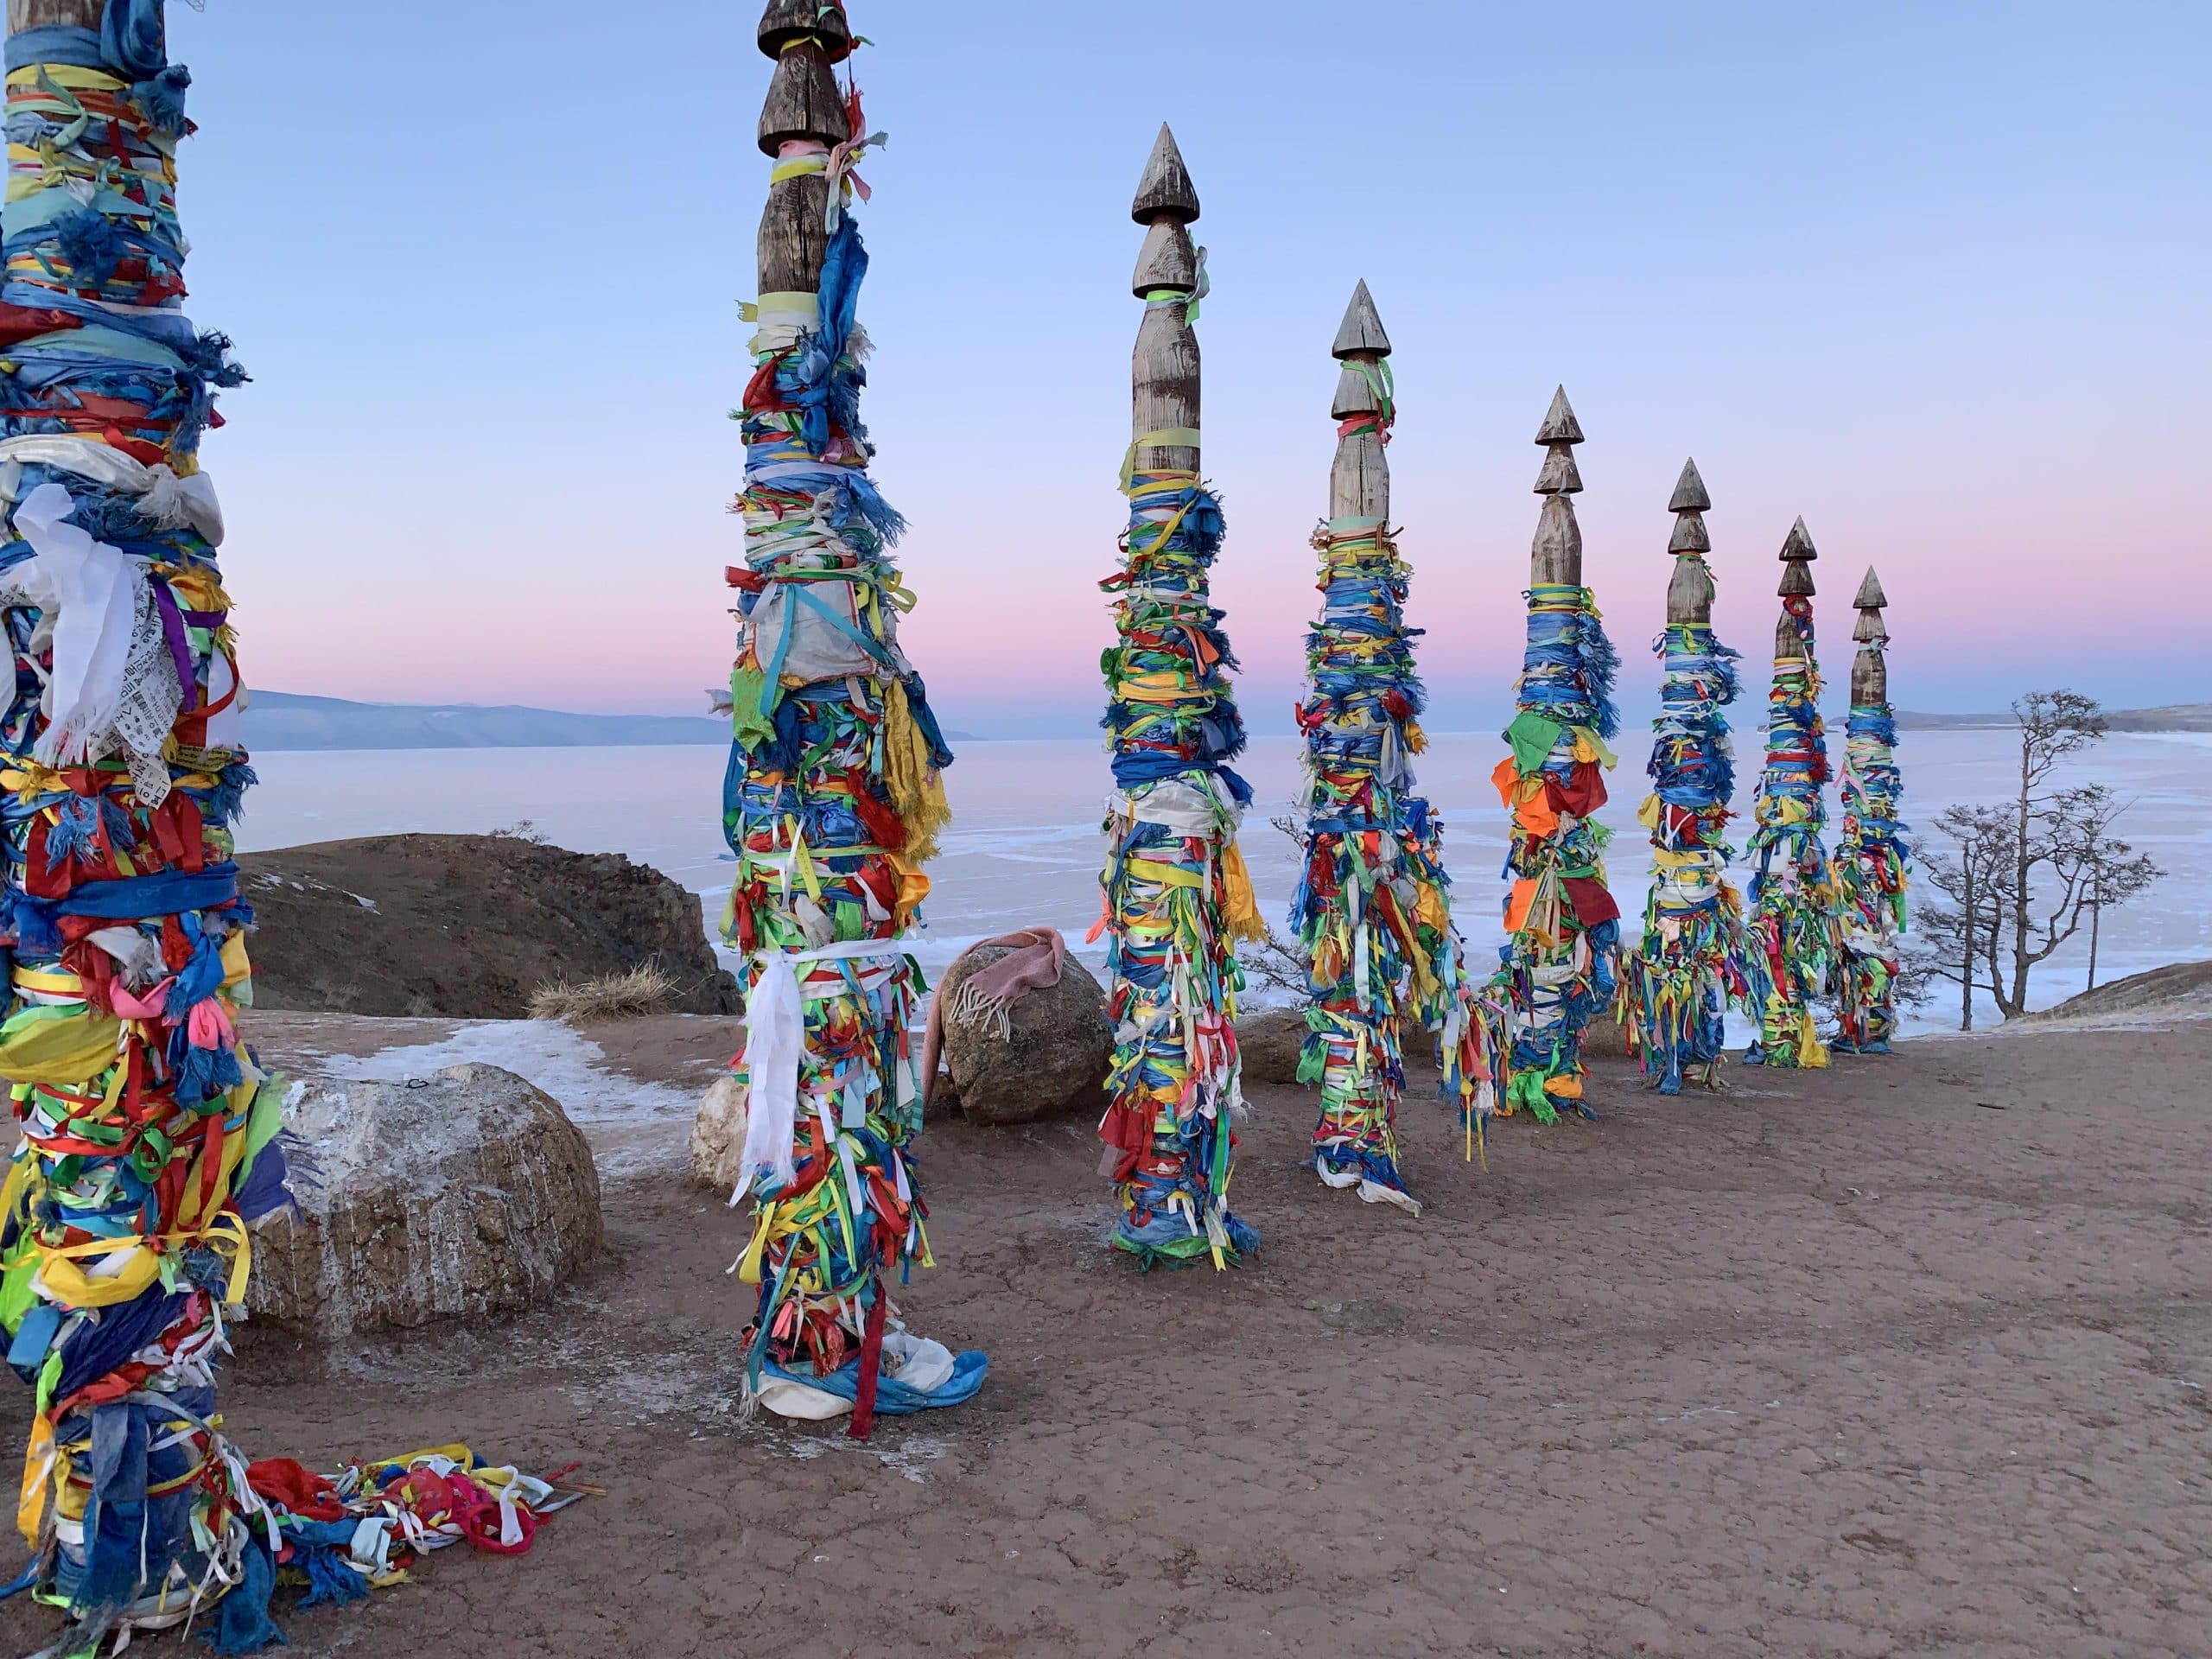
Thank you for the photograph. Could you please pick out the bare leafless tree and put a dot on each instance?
(2020, 879)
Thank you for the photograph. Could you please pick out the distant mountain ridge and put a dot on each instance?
(2168, 717)
(282, 719)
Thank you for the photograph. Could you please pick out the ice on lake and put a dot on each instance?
(1025, 845)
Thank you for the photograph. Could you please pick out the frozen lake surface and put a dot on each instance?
(1025, 845)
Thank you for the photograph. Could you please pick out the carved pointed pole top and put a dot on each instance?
(1165, 190)
(1559, 425)
(1555, 559)
(1689, 494)
(1798, 544)
(1359, 479)
(1688, 503)
(1797, 556)
(1559, 434)
(1165, 389)
(1873, 632)
(1360, 344)
(1689, 591)
(1360, 334)
(804, 105)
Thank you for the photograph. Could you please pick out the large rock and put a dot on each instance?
(466, 1194)
(1056, 1055)
(465, 926)
(718, 1135)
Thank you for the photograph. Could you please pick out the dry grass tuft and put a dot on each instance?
(644, 989)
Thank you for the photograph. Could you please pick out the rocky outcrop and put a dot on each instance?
(464, 1194)
(1053, 1057)
(465, 926)
(2178, 988)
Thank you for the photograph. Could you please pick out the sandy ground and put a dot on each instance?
(1909, 1357)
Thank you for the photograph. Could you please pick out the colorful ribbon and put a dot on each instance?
(1791, 937)
(1556, 967)
(832, 805)
(1177, 896)
(1872, 870)
(1676, 988)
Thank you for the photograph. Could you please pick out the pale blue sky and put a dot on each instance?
(1933, 276)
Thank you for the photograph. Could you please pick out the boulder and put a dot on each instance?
(1055, 1058)
(718, 1135)
(467, 1194)
(1268, 1042)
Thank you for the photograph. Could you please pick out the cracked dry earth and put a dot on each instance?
(1908, 1357)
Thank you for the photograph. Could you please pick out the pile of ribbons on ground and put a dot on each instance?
(1373, 904)
(1790, 935)
(1177, 895)
(1677, 987)
(1870, 870)
(832, 805)
(150, 1133)
(1557, 965)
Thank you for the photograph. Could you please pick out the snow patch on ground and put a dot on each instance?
(565, 1063)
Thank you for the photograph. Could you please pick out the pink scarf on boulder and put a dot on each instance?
(987, 997)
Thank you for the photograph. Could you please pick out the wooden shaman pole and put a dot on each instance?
(1373, 906)
(1790, 948)
(1177, 897)
(1557, 967)
(1691, 965)
(833, 800)
(1873, 861)
(147, 1129)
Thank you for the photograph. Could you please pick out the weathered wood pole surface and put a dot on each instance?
(834, 797)
(1690, 965)
(1557, 970)
(1873, 863)
(1177, 896)
(1791, 935)
(145, 1125)
(1371, 908)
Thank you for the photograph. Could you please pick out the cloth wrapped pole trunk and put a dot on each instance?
(1872, 870)
(1557, 967)
(151, 1133)
(1790, 944)
(1177, 896)
(832, 804)
(1690, 968)
(1373, 904)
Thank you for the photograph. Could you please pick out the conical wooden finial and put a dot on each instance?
(1796, 580)
(1871, 632)
(1164, 390)
(1558, 434)
(1689, 591)
(1559, 425)
(804, 102)
(1165, 190)
(1689, 491)
(1167, 260)
(1798, 544)
(786, 21)
(1361, 332)
(1688, 503)
(1359, 480)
